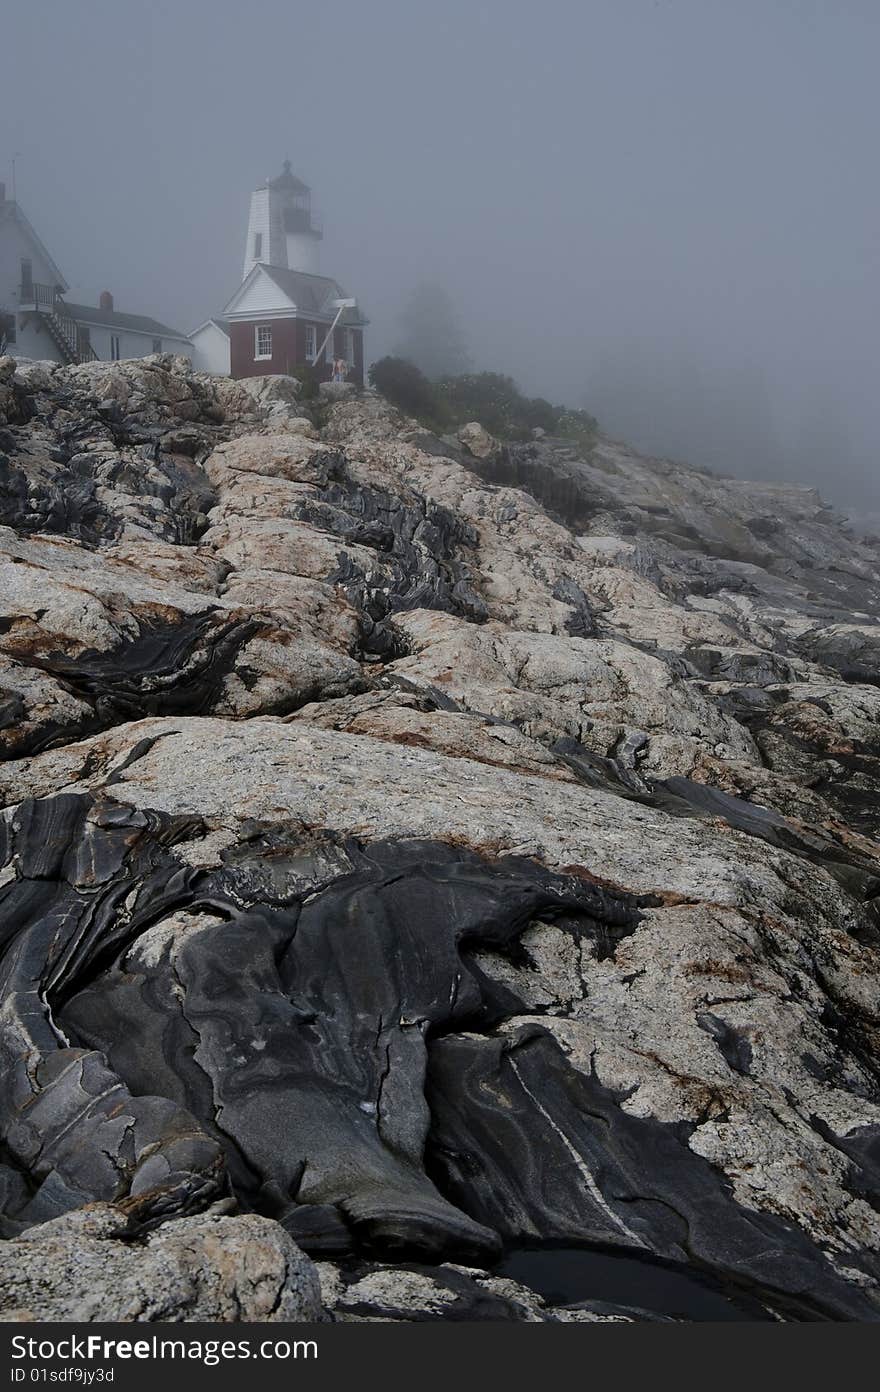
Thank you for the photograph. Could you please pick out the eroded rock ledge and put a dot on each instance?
(419, 867)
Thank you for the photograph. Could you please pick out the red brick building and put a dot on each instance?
(279, 319)
(284, 314)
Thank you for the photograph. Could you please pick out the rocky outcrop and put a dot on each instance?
(430, 852)
(414, 1294)
(90, 1265)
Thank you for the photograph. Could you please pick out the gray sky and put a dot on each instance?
(665, 209)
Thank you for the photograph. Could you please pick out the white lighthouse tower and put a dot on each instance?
(281, 228)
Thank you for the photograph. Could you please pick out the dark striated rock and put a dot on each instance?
(65, 504)
(853, 652)
(545, 470)
(419, 564)
(87, 878)
(852, 866)
(581, 623)
(172, 668)
(537, 1150)
(294, 1020)
(306, 995)
(800, 733)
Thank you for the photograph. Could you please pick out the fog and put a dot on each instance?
(665, 210)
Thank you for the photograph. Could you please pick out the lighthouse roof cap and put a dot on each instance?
(288, 182)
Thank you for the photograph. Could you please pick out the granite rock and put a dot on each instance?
(421, 848)
(92, 1265)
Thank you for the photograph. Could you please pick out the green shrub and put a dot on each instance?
(578, 426)
(407, 388)
(488, 397)
(497, 403)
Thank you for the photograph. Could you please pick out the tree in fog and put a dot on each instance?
(431, 333)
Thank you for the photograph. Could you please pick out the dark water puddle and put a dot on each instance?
(568, 1275)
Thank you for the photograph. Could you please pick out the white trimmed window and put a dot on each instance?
(311, 343)
(258, 245)
(115, 354)
(263, 341)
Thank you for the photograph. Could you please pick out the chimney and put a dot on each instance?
(106, 301)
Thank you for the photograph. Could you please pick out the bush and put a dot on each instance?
(488, 397)
(578, 426)
(497, 403)
(407, 388)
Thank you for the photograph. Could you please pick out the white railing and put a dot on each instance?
(46, 299)
(40, 296)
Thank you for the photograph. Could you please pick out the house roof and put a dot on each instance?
(221, 324)
(306, 291)
(288, 182)
(314, 294)
(12, 212)
(112, 319)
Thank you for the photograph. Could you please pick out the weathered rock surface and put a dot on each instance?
(426, 849)
(425, 1294)
(89, 1265)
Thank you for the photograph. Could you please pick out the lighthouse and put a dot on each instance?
(282, 230)
(285, 316)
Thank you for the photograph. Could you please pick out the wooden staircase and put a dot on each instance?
(67, 336)
(69, 339)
